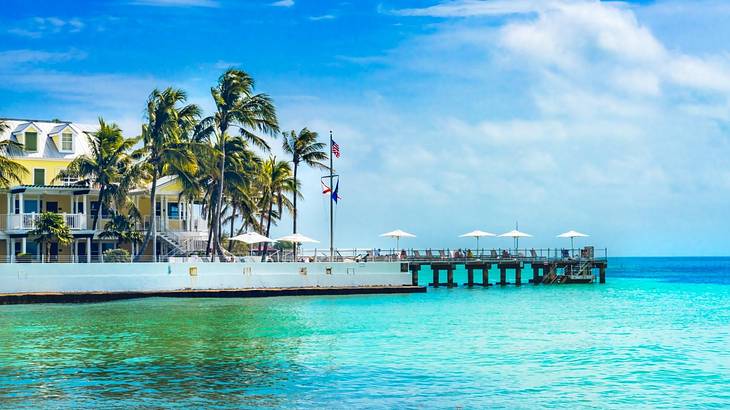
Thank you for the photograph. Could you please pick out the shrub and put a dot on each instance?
(117, 256)
(24, 258)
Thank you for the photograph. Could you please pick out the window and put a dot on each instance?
(68, 180)
(105, 214)
(31, 248)
(173, 210)
(39, 176)
(67, 142)
(31, 141)
(30, 206)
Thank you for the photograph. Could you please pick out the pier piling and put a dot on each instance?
(544, 270)
(602, 274)
(414, 267)
(475, 266)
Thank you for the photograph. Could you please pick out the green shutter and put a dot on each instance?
(31, 141)
(39, 177)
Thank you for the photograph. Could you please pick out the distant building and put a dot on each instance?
(49, 147)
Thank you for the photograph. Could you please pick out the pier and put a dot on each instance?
(562, 268)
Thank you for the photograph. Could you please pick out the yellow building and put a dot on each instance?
(49, 146)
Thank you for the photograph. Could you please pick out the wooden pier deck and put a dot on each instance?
(544, 271)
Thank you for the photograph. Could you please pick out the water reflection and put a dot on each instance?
(197, 351)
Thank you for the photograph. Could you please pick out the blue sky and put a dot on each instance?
(605, 117)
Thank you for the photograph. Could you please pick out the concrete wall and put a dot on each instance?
(140, 277)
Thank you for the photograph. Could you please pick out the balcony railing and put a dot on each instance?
(176, 225)
(16, 222)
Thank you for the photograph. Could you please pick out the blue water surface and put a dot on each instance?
(656, 335)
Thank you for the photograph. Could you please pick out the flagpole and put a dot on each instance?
(332, 234)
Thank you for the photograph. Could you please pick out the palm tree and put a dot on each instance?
(167, 146)
(237, 106)
(303, 147)
(50, 227)
(276, 182)
(10, 171)
(122, 228)
(241, 167)
(109, 165)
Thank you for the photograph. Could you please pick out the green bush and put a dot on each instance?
(117, 256)
(24, 258)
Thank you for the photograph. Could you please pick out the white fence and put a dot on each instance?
(28, 221)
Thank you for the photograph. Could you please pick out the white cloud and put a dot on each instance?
(176, 3)
(323, 17)
(572, 113)
(283, 3)
(38, 27)
(24, 56)
(473, 8)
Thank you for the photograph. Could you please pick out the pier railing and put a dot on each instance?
(423, 256)
(443, 254)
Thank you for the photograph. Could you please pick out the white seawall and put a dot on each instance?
(149, 277)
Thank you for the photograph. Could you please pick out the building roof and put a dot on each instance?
(58, 128)
(55, 188)
(47, 149)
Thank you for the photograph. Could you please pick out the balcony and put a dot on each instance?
(176, 225)
(20, 222)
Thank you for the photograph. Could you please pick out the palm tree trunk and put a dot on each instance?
(209, 219)
(261, 227)
(233, 219)
(268, 229)
(102, 194)
(217, 248)
(152, 229)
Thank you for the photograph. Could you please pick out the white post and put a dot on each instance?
(11, 210)
(163, 213)
(73, 204)
(189, 216)
(12, 250)
(153, 221)
(101, 255)
(86, 209)
(75, 251)
(7, 249)
(88, 248)
(22, 206)
(23, 245)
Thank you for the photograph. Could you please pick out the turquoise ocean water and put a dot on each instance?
(656, 335)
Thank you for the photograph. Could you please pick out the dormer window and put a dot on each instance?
(31, 141)
(67, 142)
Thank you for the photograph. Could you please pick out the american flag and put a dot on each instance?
(335, 149)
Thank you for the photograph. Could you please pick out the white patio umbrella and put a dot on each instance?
(516, 235)
(397, 234)
(476, 234)
(251, 238)
(571, 235)
(297, 238)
